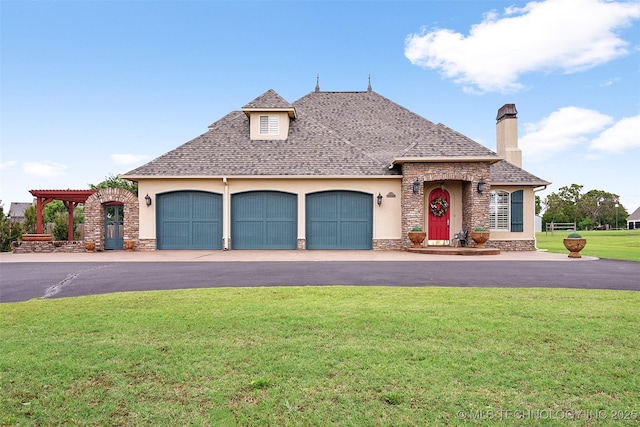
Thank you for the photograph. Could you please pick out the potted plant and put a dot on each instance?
(90, 245)
(480, 236)
(574, 243)
(128, 245)
(417, 236)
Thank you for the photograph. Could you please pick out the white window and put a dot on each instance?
(499, 210)
(269, 125)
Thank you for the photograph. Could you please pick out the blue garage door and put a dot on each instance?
(339, 220)
(264, 220)
(189, 220)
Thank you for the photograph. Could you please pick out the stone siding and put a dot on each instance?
(387, 244)
(475, 211)
(512, 245)
(94, 215)
(146, 245)
(56, 246)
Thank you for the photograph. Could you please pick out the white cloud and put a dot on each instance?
(564, 129)
(44, 169)
(127, 159)
(623, 135)
(564, 35)
(8, 164)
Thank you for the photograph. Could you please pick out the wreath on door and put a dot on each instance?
(439, 207)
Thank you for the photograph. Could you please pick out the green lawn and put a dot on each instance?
(614, 244)
(317, 356)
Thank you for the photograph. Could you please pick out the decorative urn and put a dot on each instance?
(480, 236)
(574, 243)
(417, 236)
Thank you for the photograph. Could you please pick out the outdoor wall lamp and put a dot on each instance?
(481, 185)
(147, 200)
(416, 186)
(379, 199)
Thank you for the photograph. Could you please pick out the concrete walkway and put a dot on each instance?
(286, 255)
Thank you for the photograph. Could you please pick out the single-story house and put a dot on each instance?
(633, 220)
(334, 170)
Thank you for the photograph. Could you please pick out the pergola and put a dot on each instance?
(70, 198)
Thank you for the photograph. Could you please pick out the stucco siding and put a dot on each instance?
(386, 218)
(529, 212)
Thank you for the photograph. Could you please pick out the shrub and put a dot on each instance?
(574, 235)
(417, 229)
(480, 229)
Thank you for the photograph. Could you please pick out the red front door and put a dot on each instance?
(439, 204)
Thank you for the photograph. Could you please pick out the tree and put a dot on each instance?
(10, 231)
(599, 207)
(112, 181)
(588, 210)
(30, 220)
(56, 213)
(571, 198)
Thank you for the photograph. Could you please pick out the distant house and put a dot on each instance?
(633, 220)
(16, 211)
(334, 170)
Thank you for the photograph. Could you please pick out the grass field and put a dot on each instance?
(613, 244)
(344, 356)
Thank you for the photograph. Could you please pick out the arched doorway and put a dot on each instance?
(113, 225)
(439, 217)
(111, 213)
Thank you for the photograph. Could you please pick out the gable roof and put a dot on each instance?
(333, 134)
(635, 216)
(269, 101)
(17, 209)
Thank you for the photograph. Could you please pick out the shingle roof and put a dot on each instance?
(269, 99)
(16, 209)
(504, 172)
(635, 216)
(335, 133)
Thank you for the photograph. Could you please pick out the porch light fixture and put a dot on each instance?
(481, 185)
(379, 199)
(147, 200)
(416, 186)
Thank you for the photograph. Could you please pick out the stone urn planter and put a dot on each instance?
(574, 243)
(417, 236)
(128, 245)
(90, 245)
(480, 236)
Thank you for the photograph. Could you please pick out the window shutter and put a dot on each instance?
(269, 125)
(517, 211)
(264, 125)
(273, 125)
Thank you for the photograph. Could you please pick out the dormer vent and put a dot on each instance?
(269, 116)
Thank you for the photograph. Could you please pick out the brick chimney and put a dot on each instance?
(507, 134)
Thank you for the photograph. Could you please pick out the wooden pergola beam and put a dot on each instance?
(70, 198)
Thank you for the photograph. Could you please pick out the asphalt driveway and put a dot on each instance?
(21, 281)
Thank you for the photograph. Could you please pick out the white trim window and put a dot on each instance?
(499, 210)
(506, 211)
(269, 125)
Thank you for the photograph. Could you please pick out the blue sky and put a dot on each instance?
(93, 88)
